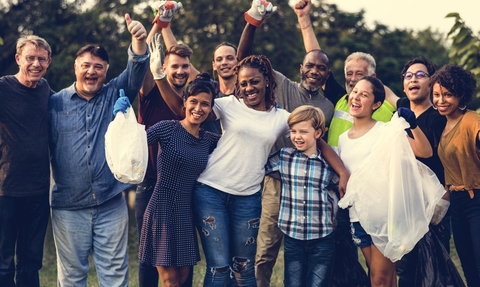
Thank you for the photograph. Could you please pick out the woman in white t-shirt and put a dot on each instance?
(355, 145)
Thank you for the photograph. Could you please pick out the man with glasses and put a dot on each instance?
(89, 212)
(416, 78)
(24, 164)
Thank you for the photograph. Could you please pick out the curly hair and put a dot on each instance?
(263, 65)
(460, 82)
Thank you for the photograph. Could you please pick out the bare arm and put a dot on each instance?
(245, 45)
(173, 100)
(170, 40)
(420, 145)
(391, 97)
(139, 35)
(302, 9)
(336, 163)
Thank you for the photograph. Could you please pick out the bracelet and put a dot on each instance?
(309, 24)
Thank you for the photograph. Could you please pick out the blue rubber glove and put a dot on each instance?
(122, 104)
(409, 116)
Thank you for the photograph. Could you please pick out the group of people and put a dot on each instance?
(243, 160)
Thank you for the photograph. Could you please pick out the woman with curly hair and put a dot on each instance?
(459, 150)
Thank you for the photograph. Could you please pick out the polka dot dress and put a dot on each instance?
(168, 235)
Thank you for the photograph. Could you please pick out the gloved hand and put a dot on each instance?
(440, 210)
(156, 61)
(409, 116)
(166, 11)
(122, 104)
(260, 10)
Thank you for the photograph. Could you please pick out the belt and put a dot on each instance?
(458, 188)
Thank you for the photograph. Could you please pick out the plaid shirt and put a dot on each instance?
(307, 208)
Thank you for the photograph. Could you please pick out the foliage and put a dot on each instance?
(465, 48)
(67, 25)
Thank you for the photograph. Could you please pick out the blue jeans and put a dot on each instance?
(148, 275)
(228, 226)
(23, 224)
(102, 230)
(465, 213)
(309, 262)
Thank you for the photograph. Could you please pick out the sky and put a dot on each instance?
(414, 14)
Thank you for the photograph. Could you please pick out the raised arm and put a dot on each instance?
(302, 9)
(254, 17)
(149, 82)
(139, 35)
(170, 96)
(336, 163)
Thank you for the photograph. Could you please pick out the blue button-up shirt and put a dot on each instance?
(77, 139)
(307, 208)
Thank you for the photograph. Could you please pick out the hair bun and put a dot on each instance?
(203, 76)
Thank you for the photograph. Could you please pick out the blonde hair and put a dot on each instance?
(308, 113)
(38, 42)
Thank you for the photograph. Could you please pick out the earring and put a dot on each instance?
(463, 108)
(267, 85)
(434, 107)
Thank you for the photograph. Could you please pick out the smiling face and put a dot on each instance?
(252, 86)
(417, 89)
(354, 71)
(33, 63)
(90, 72)
(224, 59)
(314, 70)
(362, 100)
(305, 137)
(446, 102)
(197, 108)
(177, 70)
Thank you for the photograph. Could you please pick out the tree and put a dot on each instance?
(465, 48)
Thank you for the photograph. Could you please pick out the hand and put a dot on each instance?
(122, 104)
(156, 62)
(440, 210)
(409, 116)
(135, 28)
(260, 10)
(342, 184)
(166, 11)
(302, 7)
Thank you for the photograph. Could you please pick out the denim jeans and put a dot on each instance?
(309, 263)
(465, 213)
(228, 226)
(23, 224)
(148, 275)
(102, 230)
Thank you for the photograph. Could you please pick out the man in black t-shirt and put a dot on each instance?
(416, 77)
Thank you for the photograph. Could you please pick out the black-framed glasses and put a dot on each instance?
(417, 74)
(32, 59)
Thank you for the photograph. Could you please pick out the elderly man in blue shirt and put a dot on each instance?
(89, 213)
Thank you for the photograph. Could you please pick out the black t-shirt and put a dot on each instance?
(24, 158)
(432, 124)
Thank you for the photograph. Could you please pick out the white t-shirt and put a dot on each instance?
(236, 166)
(354, 151)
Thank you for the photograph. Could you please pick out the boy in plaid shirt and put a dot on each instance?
(307, 207)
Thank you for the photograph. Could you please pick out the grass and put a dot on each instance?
(48, 274)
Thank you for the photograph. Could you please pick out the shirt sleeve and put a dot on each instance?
(273, 163)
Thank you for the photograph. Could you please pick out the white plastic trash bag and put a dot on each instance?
(393, 193)
(126, 148)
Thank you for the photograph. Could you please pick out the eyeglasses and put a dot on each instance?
(417, 74)
(32, 59)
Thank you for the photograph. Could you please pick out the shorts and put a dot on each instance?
(359, 235)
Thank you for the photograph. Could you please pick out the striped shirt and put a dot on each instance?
(307, 208)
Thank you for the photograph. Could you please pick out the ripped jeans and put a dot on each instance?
(228, 226)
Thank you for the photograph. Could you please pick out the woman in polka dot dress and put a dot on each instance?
(168, 239)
